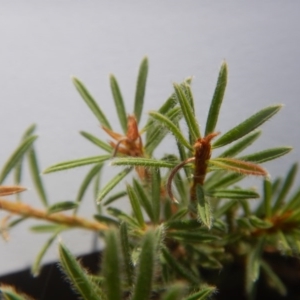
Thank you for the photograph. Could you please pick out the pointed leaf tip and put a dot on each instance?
(140, 89)
(247, 126)
(10, 190)
(239, 166)
(217, 100)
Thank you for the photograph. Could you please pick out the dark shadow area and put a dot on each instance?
(51, 283)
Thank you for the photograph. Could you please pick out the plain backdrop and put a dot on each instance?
(43, 43)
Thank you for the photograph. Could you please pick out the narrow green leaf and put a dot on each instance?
(129, 269)
(246, 207)
(187, 113)
(286, 186)
(103, 145)
(112, 266)
(18, 168)
(36, 177)
(158, 133)
(182, 188)
(224, 181)
(181, 212)
(267, 197)
(253, 265)
(90, 101)
(143, 198)
(141, 161)
(245, 142)
(266, 155)
(96, 187)
(114, 197)
(77, 163)
(259, 223)
(145, 269)
(119, 103)
(274, 281)
(192, 236)
(186, 87)
(155, 193)
(112, 183)
(203, 207)
(247, 126)
(123, 217)
(202, 294)
(106, 220)
(135, 206)
(239, 166)
(16, 222)
(86, 182)
(35, 269)
(183, 224)
(172, 127)
(9, 293)
(232, 194)
(140, 89)
(217, 99)
(218, 213)
(283, 243)
(177, 267)
(48, 228)
(61, 206)
(16, 156)
(164, 109)
(77, 274)
(294, 202)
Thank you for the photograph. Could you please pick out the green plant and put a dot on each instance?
(189, 217)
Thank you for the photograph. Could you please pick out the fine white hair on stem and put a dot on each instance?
(173, 173)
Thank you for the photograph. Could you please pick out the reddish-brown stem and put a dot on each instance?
(173, 173)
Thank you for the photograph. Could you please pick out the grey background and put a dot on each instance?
(44, 42)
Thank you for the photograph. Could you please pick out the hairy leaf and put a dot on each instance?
(77, 163)
(203, 207)
(112, 183)
(140, 89)
(112, 266)
(187, 113)
(242, 144)
(90, 101)
(61, 206)
(145, 269)
(247, 126)
(119, 103)
(77, 274)
(135, 206)
(141, 161)
(16, 156)
(217, 100)
(266, 155)
(233, 194)
(238, 166)
(103, 145)
(172, 127)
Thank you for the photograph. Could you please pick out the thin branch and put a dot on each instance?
(28, 211)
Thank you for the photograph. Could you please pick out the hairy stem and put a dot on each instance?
(28, 211)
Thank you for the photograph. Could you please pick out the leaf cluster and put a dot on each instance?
(188, 213)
